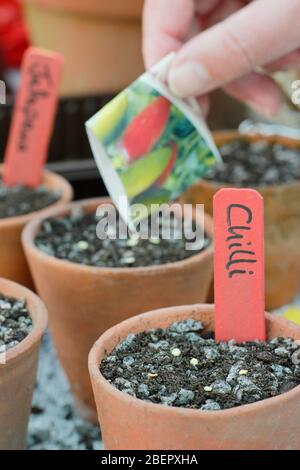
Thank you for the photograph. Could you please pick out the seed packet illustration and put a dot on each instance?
(148, 145)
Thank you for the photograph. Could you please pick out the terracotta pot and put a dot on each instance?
(18, 374)
(130, 423)
(282, 224)
(13, 264)
(105, 35)
(85, 301)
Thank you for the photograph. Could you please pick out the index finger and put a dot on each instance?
(236, 46)
(165, 27)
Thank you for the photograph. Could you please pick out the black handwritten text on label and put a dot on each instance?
(241, 253)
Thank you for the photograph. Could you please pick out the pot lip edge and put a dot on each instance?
(61, 6)
(38, 315)
(271, 188)
(67, 194)
(30, 230)
(98, 378)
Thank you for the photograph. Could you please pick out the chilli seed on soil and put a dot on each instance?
(256, 164)
(74, 238)
(179, 367)
(20, 200)
(15, 322)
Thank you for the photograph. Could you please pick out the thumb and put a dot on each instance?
(235, 47)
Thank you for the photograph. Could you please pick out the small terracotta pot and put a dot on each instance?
(18, 374)
(85, 301)
(13, 264)
(282, 224)
(105, 35)
(130, 423)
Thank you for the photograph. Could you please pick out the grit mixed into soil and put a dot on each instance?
(180, 367)
(20, 200)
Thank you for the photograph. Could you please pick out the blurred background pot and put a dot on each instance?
(18, 374)
(13, 264)
(100, 40)
(130, 423)
(84, 301)
(282, 223)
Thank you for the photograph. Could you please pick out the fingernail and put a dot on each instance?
(189, 79)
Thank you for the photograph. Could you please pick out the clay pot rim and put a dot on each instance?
(90, 8)
(94, 360)
(31, 229)
(230, 135)
(60, 184)
(38, 314)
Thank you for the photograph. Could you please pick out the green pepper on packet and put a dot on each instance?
(148, 145)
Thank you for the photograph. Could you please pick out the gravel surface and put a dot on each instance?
(15, 322)
(54, 424)
(256, 164)
(74, 238)
(19, 200)
(178, 367)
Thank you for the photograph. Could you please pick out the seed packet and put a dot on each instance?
(149, 145)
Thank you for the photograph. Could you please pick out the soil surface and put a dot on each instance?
(54, 424)
(74, 238)
(20, 200)
(15, 322)
(178, 367)
(256, 164)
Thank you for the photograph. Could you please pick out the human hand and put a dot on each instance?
(222, 43)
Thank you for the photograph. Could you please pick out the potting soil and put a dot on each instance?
(180, 367)
(256, 164)
(20, 200)
(74, 238)
(15, 322)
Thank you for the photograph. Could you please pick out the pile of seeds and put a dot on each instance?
(178, 367)
(15, 322)
(256, 164)
(74, 238)
(20, 200)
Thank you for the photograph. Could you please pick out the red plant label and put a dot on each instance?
(239, 265)
(33, 118)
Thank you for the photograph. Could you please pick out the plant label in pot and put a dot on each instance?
(33, 118)
(150, 146)
(198, 377)
(239, 265)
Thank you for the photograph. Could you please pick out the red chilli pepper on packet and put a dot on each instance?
(146, 128)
